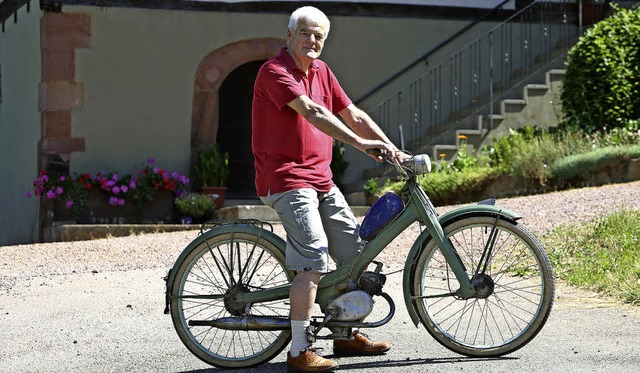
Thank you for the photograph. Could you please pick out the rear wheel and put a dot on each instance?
(203, 290)
(513, 298)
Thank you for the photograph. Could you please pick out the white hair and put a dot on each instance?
(312, 14)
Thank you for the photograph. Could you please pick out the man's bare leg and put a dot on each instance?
(303, 295)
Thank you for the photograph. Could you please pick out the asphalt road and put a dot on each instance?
(114, 322)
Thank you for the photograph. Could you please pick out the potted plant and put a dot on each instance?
(211, 168)
(194, 205)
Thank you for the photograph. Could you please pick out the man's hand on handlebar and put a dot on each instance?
(392, 153)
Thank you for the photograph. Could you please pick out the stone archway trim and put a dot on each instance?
(212, 71)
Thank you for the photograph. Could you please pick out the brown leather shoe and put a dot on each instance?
(358, 346)
(309, 361)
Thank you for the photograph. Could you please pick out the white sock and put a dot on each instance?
(299, 340)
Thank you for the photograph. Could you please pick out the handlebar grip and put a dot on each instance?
(377, 152)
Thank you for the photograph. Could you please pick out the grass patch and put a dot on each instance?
(603, 255)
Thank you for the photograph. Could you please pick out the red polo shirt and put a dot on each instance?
(290, 152)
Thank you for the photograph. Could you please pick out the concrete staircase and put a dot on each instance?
(539, 106)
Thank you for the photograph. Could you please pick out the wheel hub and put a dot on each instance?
(234, 307)
(483, 285)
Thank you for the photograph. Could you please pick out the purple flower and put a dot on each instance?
(115, 201)
(150, 160)
(51, 194)
(124, 189)
(69, 204)
(132, 184)
(59, 190)
(115, 190)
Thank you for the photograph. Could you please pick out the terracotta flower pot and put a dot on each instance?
(216, 193)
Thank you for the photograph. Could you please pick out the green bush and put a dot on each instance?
(371, 188)
(196, 205)
(456, 187)
(601, 88)
(577, 165)
(628, 135)
(529, 152)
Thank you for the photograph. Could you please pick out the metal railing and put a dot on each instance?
(476, 77)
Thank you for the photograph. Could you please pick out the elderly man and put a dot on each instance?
(296, 100)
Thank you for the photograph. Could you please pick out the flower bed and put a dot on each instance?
(143, 197)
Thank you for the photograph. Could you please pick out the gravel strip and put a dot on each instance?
(541, 214)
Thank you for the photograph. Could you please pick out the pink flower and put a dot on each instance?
(115, 201)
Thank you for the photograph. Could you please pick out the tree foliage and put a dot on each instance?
(602, 84)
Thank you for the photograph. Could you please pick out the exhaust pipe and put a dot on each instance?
(245, 323)
(264, 323)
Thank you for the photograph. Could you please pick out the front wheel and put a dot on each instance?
(206, 281)
(513, 298)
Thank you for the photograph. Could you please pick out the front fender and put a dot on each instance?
(423, 238)
(238, 227)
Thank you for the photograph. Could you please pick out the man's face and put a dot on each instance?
(306, 42)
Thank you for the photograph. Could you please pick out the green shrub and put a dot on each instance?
(528, 152)
(601, 88)
(577, 165)
(464, 160)
(628, 135)
(196, 205)
(456, 187)
(371, 188)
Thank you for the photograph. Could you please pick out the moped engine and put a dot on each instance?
(358, 304)
(352, 306)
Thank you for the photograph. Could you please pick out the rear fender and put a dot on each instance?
(424, 237)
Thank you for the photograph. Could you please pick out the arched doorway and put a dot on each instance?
(212, 73)
(234, 131)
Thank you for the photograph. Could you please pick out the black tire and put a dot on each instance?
(510, 310)
(222, 265)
